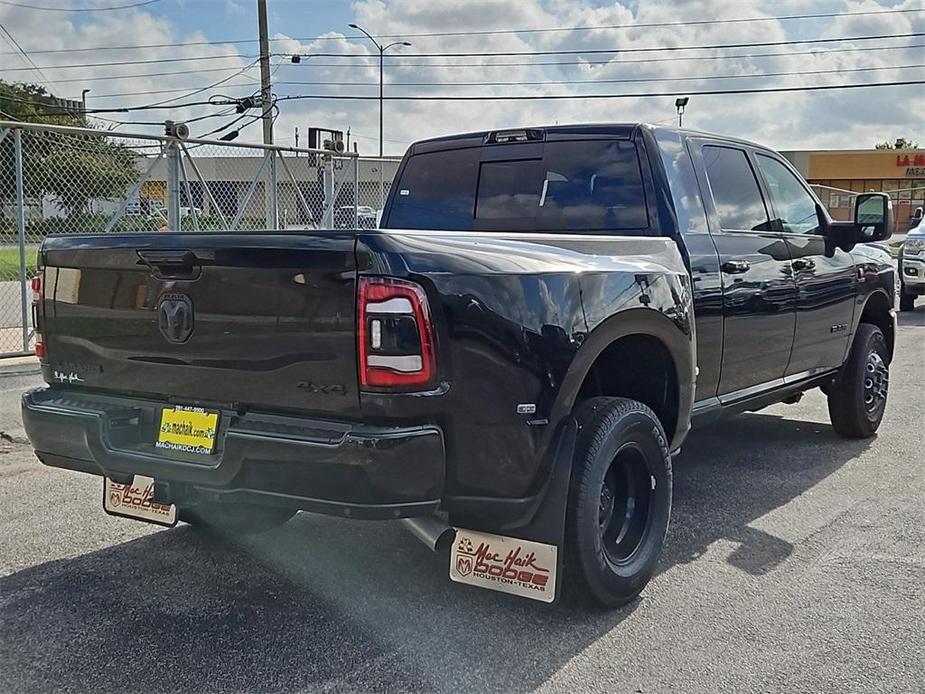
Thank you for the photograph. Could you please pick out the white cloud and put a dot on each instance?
(848, 118)
(235, 8)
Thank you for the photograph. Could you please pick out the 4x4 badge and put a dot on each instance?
(175, 317)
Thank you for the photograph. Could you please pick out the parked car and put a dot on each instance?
(911, 267)
(344, 217)
(510, 363)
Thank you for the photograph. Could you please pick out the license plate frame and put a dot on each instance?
(135, 500)
(187, 429)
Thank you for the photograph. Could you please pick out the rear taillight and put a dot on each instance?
(396, 335)
(38, 295)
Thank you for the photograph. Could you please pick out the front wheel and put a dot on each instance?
(857, 400)
(619, 501)
(236, 519)
(906, 301)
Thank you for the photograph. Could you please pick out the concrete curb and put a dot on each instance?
(19, 366)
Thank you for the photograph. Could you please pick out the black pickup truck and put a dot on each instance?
(512, 360)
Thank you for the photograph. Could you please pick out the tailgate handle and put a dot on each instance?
(173, 264)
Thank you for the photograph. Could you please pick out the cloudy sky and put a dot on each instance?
(163, 50)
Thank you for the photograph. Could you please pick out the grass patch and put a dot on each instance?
(9, 262)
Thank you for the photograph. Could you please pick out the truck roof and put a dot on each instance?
(566, 131)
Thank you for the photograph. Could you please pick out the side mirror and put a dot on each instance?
(873, 217)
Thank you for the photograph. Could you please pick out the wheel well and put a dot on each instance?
(877, 312)
(638, 367)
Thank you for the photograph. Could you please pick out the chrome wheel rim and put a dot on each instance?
(876, 382)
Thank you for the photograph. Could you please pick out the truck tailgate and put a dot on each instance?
(262, 320)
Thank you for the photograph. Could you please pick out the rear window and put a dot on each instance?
(436, 191)
(576, 186)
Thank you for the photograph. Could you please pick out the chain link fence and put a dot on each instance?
(62, 180)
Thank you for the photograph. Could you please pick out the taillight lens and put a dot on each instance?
(395, 335)
(38, 295)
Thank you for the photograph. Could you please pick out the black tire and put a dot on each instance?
(906, 301)
(858, 398)
(235, 519)
(619, 501)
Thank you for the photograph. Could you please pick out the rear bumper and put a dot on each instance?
(336, 468)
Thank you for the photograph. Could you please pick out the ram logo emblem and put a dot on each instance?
(175, 318)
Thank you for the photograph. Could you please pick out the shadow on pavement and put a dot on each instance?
(914, 318)
(323, 603)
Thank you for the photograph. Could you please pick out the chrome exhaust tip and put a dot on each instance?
(431, 530)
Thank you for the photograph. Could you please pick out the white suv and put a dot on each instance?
(912, 268)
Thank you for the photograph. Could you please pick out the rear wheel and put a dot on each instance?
(237, 519)
(619, 501)
(857, 400)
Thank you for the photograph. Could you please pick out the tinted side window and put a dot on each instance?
(793, 205)
(436, 191)
(578, 186)
(592, 186)
(736, 195)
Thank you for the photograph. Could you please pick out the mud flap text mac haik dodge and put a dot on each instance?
(505, 564)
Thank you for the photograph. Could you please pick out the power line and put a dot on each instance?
(199, 90)
(545, 97)
(644, 49)
(183, 89)
(595, 51)
(207, 116)
(540, 82)
(78, 9)
(641, 60)
(139, 62)
(124, 109)
(139, 76)
(830, 51)
(641, 25)
(22, 52)
(602, 81)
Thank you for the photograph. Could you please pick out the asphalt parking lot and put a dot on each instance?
(795, 562)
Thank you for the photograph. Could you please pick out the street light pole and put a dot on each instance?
(381, 99)
(681, 104)
(382, 49)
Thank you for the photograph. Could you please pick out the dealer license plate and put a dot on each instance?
(187, 429)
(507, 564)
(136, 500)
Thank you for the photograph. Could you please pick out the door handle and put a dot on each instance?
(171, 264)
(804, 264)
(735, 267)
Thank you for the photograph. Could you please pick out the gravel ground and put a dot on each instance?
(795, 562)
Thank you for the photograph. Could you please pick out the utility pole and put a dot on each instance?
(266, 96)
(265, 91)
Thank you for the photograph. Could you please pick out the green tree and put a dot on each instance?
(74, 168)
(899, 143)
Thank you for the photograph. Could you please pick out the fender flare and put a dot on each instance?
(637, 321)
(890, 319)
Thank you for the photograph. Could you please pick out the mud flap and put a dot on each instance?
(500, 562)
